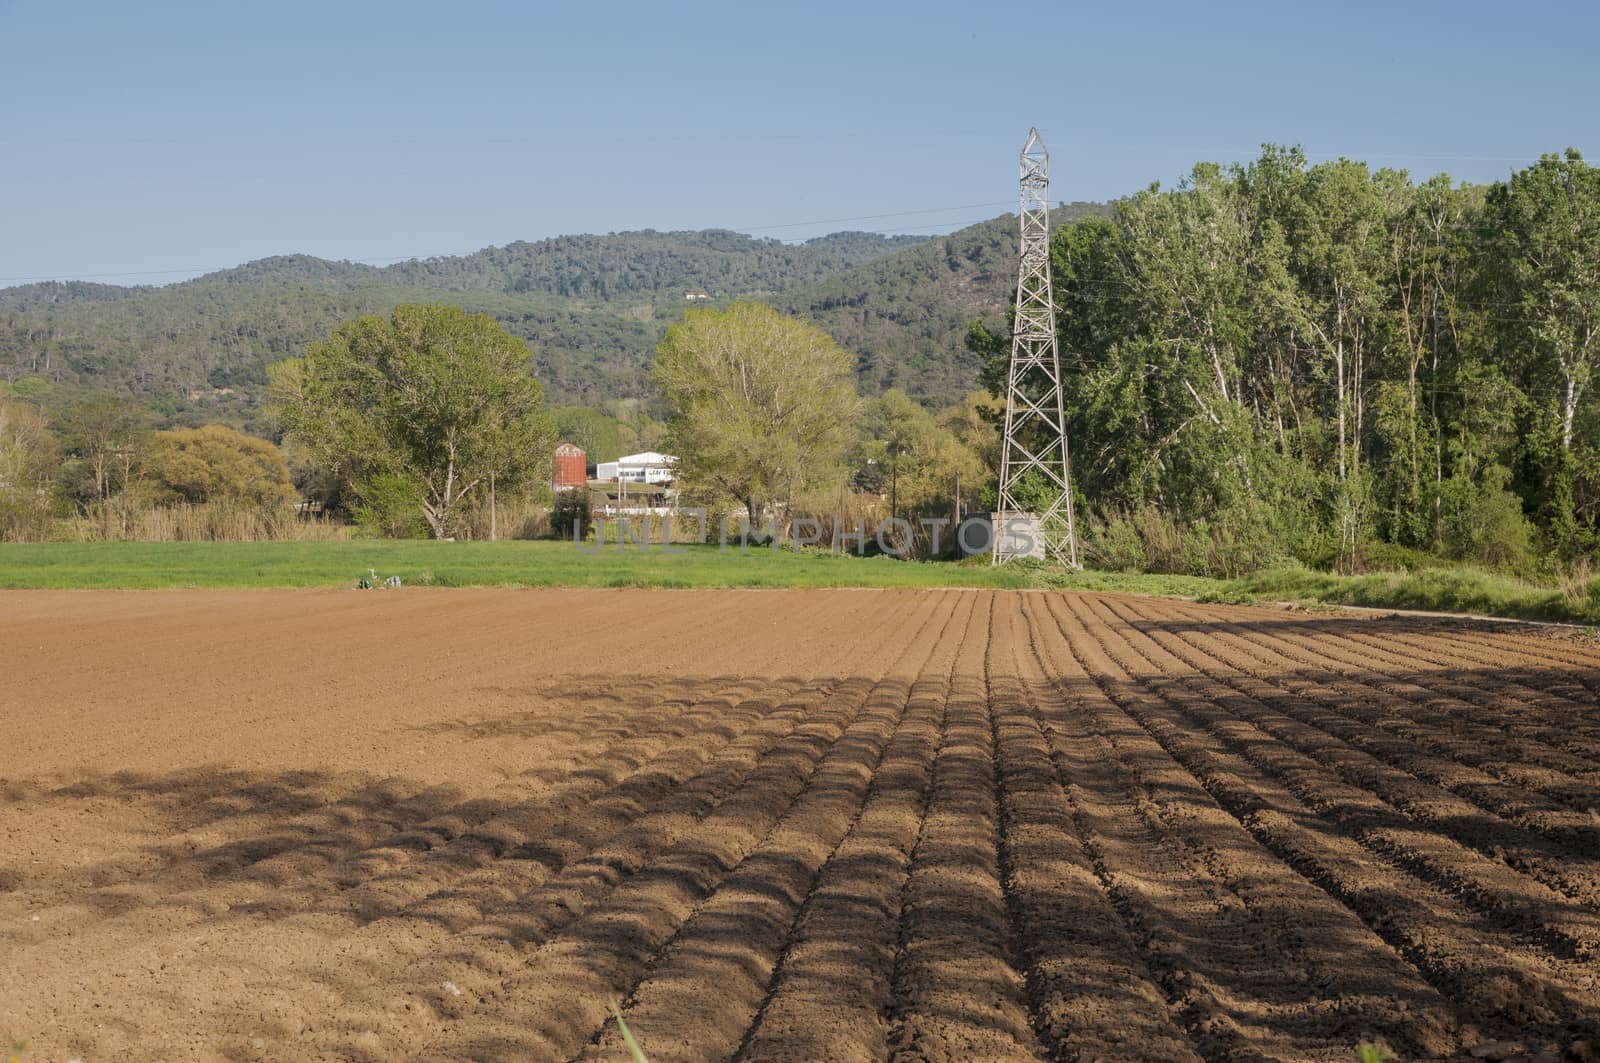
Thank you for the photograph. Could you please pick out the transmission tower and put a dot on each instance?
(1033, 458)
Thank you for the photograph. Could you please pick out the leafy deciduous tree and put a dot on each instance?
(1546, 221)
(437, 397)
(28, 460)
(922, 457)
(764, 404)
(104, 438)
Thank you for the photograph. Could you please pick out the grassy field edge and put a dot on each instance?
(133, 566)
(1445, 590)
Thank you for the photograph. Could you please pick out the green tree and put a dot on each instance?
(1337, 302)
(569, 512)
(1281, 358)
(1188, 257)
(595, 431)
(1431, 268)
(103, 438)
(1545, 256)
(763, 404)
(433, 395)
(214, 463)
(918, 457)
(1180, 389)
(28, 462)
(895, 426)
(637, 427)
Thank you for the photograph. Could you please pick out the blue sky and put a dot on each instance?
(143, 142)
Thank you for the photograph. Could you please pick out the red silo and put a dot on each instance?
(572, 469)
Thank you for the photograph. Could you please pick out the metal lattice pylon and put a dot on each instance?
(1036, 427)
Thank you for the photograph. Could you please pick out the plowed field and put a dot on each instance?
(789, 825)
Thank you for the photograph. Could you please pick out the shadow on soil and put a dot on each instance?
(239, 845)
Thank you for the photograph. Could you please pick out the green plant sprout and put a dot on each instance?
(627, 1036)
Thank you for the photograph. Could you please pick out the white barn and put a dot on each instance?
(649, 467)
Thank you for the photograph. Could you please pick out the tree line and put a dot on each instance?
(1335, 364)
(424, 421)
(93, 466)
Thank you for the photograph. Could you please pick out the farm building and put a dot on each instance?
(572, 467)
(646, 468)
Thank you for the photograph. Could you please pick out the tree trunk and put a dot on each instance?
(1358, 402)
(1339, 367)
(1438, 441)
(439, 515)
(436, 518)
(1568, 412)
(1413, 440)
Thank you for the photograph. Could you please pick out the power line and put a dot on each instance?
(868, 217)
(1101, 284)
(1530, 157)
(375, 259)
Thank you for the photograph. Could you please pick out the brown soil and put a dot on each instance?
(789, 825)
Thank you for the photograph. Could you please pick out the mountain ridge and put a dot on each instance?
(303, 267)
(592, 308)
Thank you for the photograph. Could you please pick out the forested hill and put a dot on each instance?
(627, 265)
(904, 316)
(592, 308)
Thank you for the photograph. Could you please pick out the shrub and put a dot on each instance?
(390, 506)
(520, 514)
(1483, 522)
(25, 517)
(1112, 543)
(227, 522)
(1150, 539)
(217, 464)
(570, 509)
(1501, 536)
(1577, 584)
(528, 522)
(1372, 556)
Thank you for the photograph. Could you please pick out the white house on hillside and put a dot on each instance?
(646, 468)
